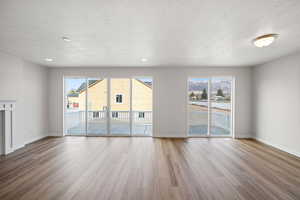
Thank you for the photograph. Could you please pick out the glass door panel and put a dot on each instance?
(120, 106)
(97, 107)
(198, 106)
(75, 101)
(221, 106)
(142, 106)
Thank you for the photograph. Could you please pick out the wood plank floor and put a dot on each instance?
(146, 168)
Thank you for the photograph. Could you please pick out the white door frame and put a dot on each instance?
(108, 112)
(64, 103)
(232, 132)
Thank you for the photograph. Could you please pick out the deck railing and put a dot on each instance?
(76, 119)
(220, 119)
(100, 114)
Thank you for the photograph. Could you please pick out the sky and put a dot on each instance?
(73, 83)
(213, 79)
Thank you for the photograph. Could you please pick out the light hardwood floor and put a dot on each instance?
(146, 168)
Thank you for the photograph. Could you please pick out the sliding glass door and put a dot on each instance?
(116, 106)
(75, 106)
(210, 106)
(220, 99)
(142, 106)
(198, 106)
(97, 107)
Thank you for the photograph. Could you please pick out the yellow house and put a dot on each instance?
(120, 95)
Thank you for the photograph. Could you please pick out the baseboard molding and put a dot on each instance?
(19, 147)
(35, 139)
(169, 136)
(30, 141)
(51, 136)
(280, 147)
(243, 138)
(55, 134)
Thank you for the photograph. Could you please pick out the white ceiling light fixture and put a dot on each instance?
(48, 59)
(144, 59)
(66, 39)
(265, 40)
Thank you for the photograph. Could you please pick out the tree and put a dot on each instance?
(192, 95)
(220, 93)
(72, 91)
(228, 98)
(204, 94)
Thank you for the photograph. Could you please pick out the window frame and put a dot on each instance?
(233, 90)
(116, 98)
(108, 106)
(141, 115)
(114, 114)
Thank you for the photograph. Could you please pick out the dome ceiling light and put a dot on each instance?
(265, 40)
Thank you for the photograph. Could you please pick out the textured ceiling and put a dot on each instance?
(167, 32)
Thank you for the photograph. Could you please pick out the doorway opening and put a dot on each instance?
(210, 107)
(108, 106)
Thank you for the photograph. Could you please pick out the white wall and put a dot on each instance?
(274, 111)
(277, 103)
(170, 118)
(35, 101)
(27, 84)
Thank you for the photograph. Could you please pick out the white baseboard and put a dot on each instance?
(169, 136)
(29, 141)
(243, 137)
(181, 137)
(55, 134)
(280, 147)
(19, 147)
(35, 139)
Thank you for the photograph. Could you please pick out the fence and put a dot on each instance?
(73, 118)
(97, 121)
(218, 119)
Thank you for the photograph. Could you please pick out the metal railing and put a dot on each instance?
(218, 119)
(79, 115)
(142, 120)
(222, 120)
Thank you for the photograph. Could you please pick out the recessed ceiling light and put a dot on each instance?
(66, 39)
(265, 40)
(48, 59)
(144, 59)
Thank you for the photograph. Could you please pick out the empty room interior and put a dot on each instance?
(150, 100)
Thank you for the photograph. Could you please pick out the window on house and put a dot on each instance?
(95, 114)
(114, 114)
(141, 115)
(119, 98)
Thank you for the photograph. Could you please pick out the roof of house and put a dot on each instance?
(91, 83)
(148, 84)
(73, 94)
